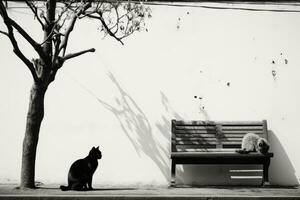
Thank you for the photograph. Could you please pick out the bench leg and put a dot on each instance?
(266, 172)
(173, 173)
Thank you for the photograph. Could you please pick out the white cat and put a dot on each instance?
(253, 143)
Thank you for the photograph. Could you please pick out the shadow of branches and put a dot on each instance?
(137, 127)
(154, 140)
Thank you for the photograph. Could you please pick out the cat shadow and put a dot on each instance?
(281, 169)
(94, 189)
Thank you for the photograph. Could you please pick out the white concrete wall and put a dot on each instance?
(124, 97)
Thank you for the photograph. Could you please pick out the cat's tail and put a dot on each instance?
(242, 151)
(64, 188)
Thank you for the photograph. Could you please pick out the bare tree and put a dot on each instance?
(57, 19)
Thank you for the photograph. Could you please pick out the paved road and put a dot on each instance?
(123, 192)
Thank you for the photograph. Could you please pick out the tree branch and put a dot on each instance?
(57, 40)
(56, 26)
(22, 32)
(49, 36)
(14, 43)
(71, 27)
(73, 55)
(106, 27)
(67, 34)
(50, 7)
(35, 12)
(26, 36)
(4, 33)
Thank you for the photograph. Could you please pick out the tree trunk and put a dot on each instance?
(34, 119)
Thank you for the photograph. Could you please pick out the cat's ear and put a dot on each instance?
(93, 148)
(97, 147)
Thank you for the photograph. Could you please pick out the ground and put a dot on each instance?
(150, 192)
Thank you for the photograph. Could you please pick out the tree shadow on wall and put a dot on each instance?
(165, 125)
(137, 128)
(281, 169)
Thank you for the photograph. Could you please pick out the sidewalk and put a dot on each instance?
(51, 192)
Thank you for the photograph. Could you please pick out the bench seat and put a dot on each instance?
(220, 154)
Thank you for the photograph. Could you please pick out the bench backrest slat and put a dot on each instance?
(209, 135)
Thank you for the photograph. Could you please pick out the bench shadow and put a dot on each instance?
(282, 171)
(234, 187)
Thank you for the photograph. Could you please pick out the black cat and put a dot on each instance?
(82, 170)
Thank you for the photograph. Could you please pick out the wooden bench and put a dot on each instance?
(209, 142)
